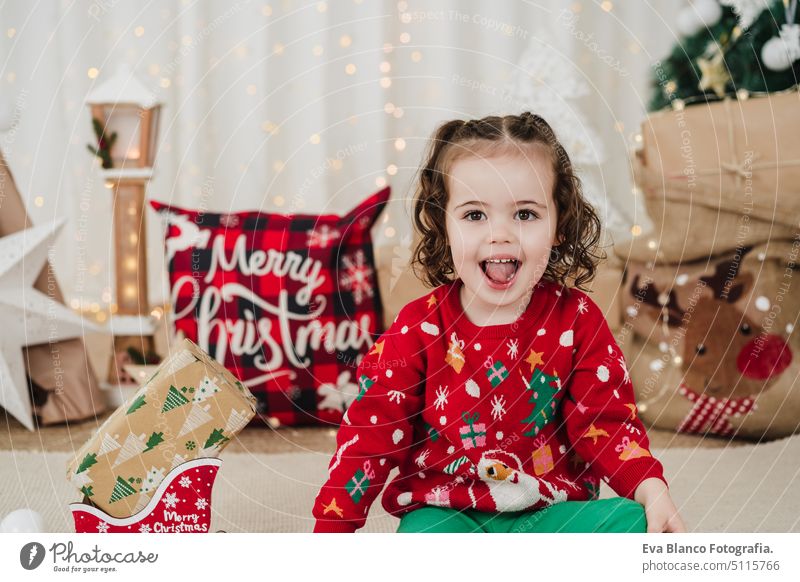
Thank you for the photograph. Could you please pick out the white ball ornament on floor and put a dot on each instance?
(779, 52)
(698, 16)
(22, 521)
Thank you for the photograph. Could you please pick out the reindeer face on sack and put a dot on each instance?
(725, 353)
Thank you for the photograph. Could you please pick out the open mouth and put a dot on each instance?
(500, 273)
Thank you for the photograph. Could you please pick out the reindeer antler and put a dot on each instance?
(651, 296)
(721, 282)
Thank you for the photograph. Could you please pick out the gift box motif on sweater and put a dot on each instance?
(496, 372)
(542, 457)
(455, 353)
(190, 408)
(474, 434)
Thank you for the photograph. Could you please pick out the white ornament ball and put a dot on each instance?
(703, 14)
(22, 521)
(774, 54)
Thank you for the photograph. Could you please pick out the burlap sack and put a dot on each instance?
(710, 343)
(716, 175)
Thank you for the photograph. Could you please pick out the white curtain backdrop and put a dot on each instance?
(297, 105)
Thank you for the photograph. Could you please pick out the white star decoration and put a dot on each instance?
(28, 316)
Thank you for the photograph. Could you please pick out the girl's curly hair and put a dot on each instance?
(575, 257)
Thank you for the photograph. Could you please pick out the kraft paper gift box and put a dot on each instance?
(189, 409)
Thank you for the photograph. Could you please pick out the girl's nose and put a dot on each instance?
(500, 232)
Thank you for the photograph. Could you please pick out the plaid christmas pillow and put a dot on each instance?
(288, 303)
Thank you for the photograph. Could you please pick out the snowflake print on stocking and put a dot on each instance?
(473, 435)
(513, 348)
(180, 504)
(322, 237)
(171, 500)
(496, 372)
(356, 276)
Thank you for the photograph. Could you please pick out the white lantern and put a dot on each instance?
(125, 122)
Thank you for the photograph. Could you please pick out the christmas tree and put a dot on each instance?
(155, 439)
(544, 388)
(87, 462)
(739, 46)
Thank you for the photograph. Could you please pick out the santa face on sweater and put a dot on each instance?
(501, 225)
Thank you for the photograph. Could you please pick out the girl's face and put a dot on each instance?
(501, 225)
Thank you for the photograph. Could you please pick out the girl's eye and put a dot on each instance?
(527, 215)
(473, 213)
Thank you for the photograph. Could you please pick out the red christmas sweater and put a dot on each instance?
(497, 418)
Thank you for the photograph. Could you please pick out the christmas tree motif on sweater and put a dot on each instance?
(109, 444)
(123, 488)
(197, 417)
(136, 404)
(134, 445)
(496, 372)
(206, 389)
(545, 388)
(473, 435)
(176, 398)
(455, 353)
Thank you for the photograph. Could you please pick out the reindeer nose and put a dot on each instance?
(764, 357)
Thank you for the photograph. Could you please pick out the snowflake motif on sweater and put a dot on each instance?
(499, 418)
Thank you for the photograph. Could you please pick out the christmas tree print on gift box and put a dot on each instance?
(189, 410)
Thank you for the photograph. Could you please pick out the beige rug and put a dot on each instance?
(752, 488)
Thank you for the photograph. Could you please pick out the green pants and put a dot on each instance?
(615, 515)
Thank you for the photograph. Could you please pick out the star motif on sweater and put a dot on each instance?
(332, 507)
(431, 301)
(377, 348)
(593, 433)
(535, 359)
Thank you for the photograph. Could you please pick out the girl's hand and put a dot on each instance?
(659, 509)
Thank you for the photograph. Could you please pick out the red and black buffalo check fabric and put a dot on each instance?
(288, 303)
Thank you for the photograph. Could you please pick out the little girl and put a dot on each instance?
(501, 395)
